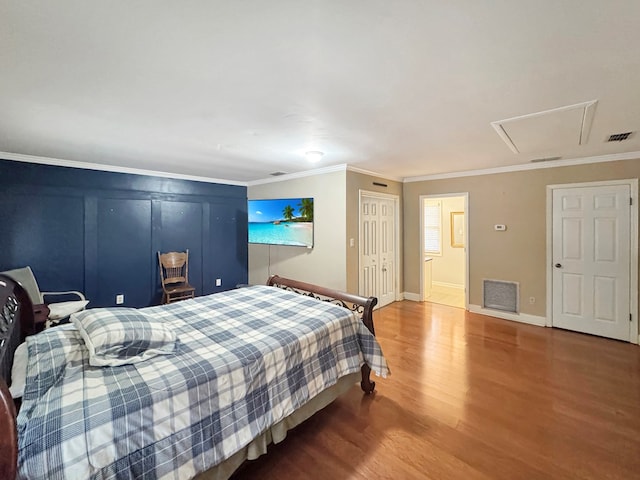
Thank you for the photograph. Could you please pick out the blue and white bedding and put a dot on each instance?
(245, 359)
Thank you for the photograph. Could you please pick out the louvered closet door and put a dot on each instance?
(591, 254)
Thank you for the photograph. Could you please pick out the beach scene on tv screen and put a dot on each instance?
(285, 221)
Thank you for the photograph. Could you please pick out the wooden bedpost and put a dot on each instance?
(17, 321)
(9, 437)
(362, 305)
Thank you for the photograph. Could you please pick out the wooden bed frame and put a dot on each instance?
(17, 322)
(362, 305)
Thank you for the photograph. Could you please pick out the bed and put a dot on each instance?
(219, 377)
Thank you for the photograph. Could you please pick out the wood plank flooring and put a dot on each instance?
(474, 397)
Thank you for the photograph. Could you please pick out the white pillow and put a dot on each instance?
(120, 336)
(60, 310)
(19, 370)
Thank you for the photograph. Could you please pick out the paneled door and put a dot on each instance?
(591, 253)
(378, 248)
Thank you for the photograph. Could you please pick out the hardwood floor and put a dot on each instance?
(474, 397)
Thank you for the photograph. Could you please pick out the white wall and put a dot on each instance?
(449, 268)
(325, 264)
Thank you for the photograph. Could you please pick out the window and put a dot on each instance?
(433, 227)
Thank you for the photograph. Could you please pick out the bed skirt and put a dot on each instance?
(278, 432)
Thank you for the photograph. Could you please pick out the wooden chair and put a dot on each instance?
(174, 275)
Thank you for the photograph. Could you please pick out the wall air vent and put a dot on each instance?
(277, 174)
(545, 159)
(619, 137)
(501, 295)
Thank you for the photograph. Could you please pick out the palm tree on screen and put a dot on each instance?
(306, 208)
(287, 212)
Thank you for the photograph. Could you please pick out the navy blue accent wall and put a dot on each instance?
(99, 232)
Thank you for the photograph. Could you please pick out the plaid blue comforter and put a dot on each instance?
(246, 359)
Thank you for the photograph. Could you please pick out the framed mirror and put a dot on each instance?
(457, 229)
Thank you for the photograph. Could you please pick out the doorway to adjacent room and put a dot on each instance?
(444, 249)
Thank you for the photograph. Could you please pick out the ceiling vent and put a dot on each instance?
(558, 128)
(277, 174)
(619, 137)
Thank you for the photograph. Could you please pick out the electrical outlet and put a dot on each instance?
(218, 282)
(532, 299)
(119, 299)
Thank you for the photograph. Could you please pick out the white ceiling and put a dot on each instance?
(239, 89)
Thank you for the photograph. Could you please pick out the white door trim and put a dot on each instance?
(633, 258)
(396, 234)
(466, 246)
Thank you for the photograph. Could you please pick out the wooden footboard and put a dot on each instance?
(362, 305)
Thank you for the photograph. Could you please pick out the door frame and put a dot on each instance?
(466, 246)
(396, 236)
(633, 245)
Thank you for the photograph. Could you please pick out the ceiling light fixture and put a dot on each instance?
(313, 156)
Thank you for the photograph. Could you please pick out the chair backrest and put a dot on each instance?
(174, 267)
(25, 277)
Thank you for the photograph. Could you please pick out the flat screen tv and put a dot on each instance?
(281, 221)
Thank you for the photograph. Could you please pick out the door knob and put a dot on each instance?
(558, 265)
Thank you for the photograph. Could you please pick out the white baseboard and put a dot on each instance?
(449, 285)
(516, 317)
(414, 297)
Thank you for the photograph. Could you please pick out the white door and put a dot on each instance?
(378, 249)
(387, 222)
(591, 253)
(369, 270)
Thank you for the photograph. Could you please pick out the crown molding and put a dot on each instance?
(373, 174)
(321, 171)
(614, 157)
(305, 173)
(19, 157)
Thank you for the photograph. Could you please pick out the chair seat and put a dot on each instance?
(62, 310)
(173, 293)
(179, 288)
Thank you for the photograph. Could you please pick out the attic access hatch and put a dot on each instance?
(562, 127)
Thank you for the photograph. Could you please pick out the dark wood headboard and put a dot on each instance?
(16, 322)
